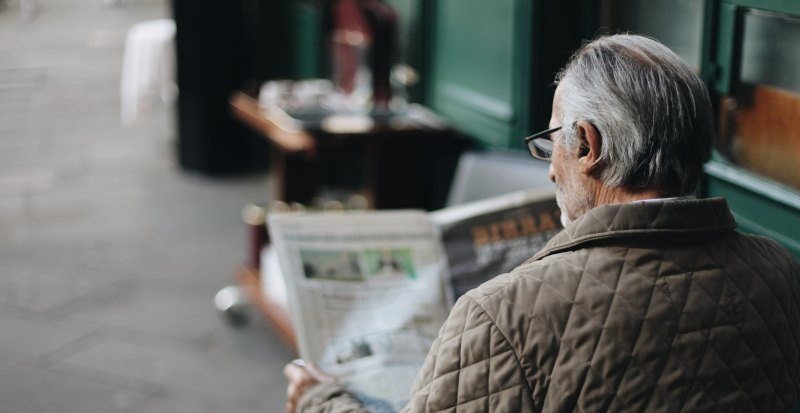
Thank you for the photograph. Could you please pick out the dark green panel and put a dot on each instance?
(307, 32)
(407, 17)
(676, 23)
(479, 67)
(778, 6)
(725, 58)
(759, 205)
(474, 48)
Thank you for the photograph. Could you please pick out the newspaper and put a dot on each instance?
(368, 291)
(365, 294)
(486, 238)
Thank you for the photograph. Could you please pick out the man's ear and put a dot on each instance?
(590, 145)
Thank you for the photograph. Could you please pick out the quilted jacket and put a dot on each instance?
(642, 307)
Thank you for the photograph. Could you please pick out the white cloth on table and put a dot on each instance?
(148, 68)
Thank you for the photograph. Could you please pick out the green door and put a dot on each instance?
(479, 65)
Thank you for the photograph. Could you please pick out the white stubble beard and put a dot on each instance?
(572, 197)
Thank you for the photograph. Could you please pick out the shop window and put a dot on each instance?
(760, 118)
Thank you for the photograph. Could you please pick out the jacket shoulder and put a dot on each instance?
(767, 247)
(768, 260)
(471, 367)
(531, 274)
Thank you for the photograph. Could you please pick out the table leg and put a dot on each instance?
(297, 177)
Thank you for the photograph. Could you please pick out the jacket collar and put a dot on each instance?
(653, 218)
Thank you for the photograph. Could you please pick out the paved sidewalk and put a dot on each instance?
(109, 255)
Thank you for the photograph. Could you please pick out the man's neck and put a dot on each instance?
(606, 195)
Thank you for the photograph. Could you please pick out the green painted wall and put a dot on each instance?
(479, 61)
(308, 38)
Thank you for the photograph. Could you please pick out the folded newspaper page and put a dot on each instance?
(365, 294)
(490, 237)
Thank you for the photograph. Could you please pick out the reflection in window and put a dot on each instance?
(760, 121)
(676, 23)
(771, 51)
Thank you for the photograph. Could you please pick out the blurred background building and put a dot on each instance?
(120, 199)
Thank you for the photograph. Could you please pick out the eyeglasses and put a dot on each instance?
(541, 144)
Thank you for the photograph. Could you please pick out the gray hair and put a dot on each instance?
(651, 109)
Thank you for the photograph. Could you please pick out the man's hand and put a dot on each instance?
(301, 376)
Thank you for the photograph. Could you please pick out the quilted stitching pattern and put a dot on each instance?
(710, 326)
(470, 368)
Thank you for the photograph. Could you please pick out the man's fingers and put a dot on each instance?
(306, 374)
(291, 398)
(290, 372)
(301, 376)
(293, 372)
(299, 380)
(317, 374)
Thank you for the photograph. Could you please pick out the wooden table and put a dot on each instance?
(408, 158)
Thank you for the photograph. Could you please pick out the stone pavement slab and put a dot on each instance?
(34, 389)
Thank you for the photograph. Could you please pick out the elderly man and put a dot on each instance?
(648, 300)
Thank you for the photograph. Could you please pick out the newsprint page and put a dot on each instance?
(365, 294)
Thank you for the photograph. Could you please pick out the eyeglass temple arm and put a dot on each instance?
(542, 133)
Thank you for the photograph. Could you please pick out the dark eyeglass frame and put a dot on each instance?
(540, 144)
